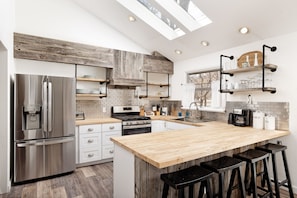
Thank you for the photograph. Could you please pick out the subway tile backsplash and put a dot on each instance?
(94, 108)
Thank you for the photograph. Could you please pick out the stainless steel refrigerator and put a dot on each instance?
(44, 132)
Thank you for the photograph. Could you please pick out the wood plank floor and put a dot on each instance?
(85, 182)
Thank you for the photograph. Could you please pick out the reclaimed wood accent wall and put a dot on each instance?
(149, 184)
(52, 50)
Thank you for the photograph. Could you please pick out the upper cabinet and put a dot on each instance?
(127, 69)
(157, 63)
(52, 50)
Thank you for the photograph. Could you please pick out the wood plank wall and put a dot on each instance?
(149, 184)
(52, 50)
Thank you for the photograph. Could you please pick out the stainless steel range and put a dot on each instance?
(132, 122)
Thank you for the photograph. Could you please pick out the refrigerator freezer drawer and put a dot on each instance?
(42, 158)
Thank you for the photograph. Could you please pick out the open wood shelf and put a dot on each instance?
(271, 67)
(266, 89)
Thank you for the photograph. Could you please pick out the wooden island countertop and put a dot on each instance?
(174, 147)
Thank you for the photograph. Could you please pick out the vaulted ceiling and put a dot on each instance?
(265, 18)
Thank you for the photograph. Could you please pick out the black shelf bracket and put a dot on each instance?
(272, 49)
(221, 70)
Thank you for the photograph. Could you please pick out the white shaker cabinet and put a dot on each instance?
(89, 143)
(109, 130)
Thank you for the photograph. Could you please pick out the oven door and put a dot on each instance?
(131, 130)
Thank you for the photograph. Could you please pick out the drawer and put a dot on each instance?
(107, 151)
(89, 154)
(90, 128)
(112, 127)
(90, 140)
(107, 135)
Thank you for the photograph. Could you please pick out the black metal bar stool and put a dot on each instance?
(252, 157)
(273, 149)
(221, 166)
(181, 179)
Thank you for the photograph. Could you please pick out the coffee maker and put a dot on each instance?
(241, 117)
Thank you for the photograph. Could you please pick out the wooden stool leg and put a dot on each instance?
(229, 192)
(208, 189)
(268, 178)
(253, 183)
(191, 191)
(181, 193)
(241, 183)
(287, 174)
(165, 190)
(221, 185)
(246, 179)
(275, 176)
(201, 190)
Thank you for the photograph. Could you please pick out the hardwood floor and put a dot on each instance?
(85, 182)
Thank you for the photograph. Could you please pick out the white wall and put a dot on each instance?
(65, 20)
(284, 79)
(6, 59)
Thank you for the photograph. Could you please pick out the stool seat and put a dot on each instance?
(221, 166)
(180, 179)
(252, 155)
(272, 148)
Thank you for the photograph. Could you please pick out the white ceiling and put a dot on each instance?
(265, 18)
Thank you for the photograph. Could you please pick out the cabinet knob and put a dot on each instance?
(91, 155)
(111, 127)
(111, 151)
(90, 141)
(90, 129)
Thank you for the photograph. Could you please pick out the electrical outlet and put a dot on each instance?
(104, 109)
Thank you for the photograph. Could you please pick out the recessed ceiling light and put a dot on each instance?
(178, 51)
(205, 43)
(132, 19)
(244, 30)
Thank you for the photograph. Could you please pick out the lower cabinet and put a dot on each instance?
(93, 142)
(161, 126)
(108, 131)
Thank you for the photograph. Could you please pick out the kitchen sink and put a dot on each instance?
(194, 120)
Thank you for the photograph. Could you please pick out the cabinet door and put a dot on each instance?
(128, 65)
(90, 140)
(158, 126)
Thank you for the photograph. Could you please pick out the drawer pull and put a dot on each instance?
(90, 141)
(111, 127)
(90, 129)
(111, 151)
(91, 155)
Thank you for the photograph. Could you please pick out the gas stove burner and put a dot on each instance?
(130, 117)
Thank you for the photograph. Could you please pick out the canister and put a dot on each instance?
(258, 120)
(269, 122)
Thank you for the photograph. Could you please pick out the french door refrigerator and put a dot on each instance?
(44, 132)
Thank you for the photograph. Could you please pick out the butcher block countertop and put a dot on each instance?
(164, 149)
(97, 121)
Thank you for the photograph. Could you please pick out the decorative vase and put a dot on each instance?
(247, 61)
(256, 60)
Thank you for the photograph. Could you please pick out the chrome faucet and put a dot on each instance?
(197, 109)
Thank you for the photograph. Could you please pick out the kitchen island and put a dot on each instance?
(140, 159)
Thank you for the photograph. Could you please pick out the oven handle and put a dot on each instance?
(137, 126)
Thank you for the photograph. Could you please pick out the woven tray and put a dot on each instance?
(241, 61)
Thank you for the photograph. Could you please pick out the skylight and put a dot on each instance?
(184, 11)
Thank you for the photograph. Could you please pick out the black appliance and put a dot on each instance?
(241, 117)
(132, 122)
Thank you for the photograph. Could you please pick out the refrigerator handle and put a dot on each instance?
(50, 106)
(45, 107)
